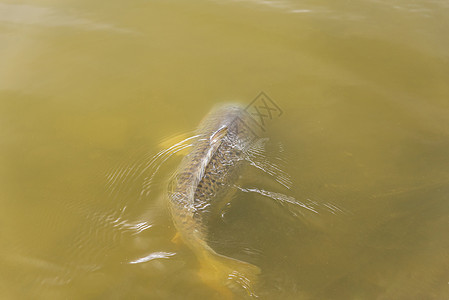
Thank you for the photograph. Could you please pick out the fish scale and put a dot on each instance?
(201, 182)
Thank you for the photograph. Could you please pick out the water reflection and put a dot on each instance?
(152, 256)
(84, 106)
(25, 14)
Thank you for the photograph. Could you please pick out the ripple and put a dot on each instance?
(24, 14)
(143, 171)
(273, 166)
(153, 256)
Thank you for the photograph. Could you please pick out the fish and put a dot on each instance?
(200, 185)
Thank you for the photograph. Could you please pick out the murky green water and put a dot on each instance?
(91, 90)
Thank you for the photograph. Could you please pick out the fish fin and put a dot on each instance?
(218, 135)
(224, 274)
(214, 141)
(177, 239)
(175, 140)
(272, 163)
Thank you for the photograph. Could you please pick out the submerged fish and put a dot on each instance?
(200, 186)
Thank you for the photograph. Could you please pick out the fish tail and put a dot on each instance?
(225, 274)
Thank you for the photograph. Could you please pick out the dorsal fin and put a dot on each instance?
(214, 142)
(218, 135)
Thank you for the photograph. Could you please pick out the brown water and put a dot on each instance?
(91, 90)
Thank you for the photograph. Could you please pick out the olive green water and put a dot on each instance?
(89, 90)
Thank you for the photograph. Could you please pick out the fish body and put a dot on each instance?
(200, 183)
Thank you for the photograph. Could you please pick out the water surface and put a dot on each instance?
(90, 91)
